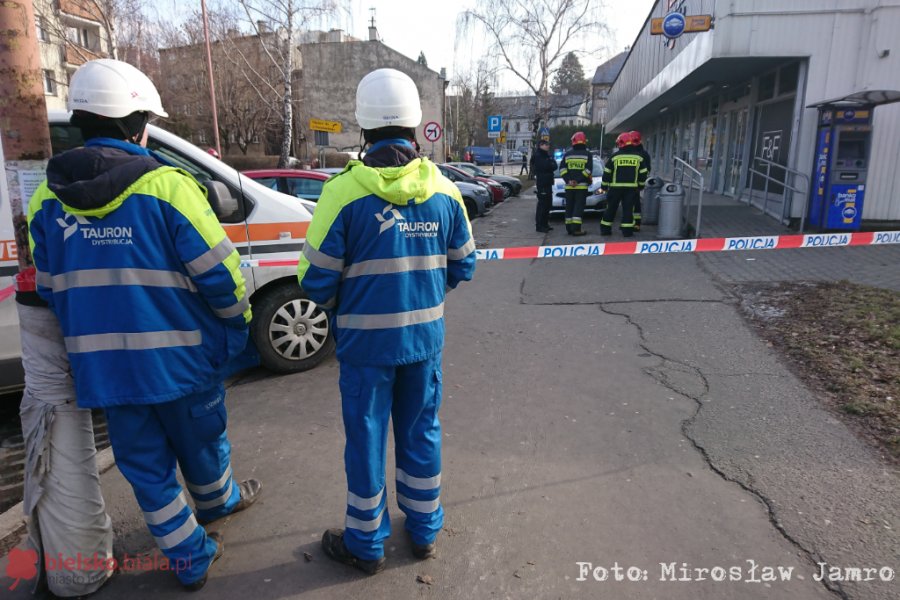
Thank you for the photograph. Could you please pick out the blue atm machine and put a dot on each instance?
(838, 191)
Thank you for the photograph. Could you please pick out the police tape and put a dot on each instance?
(730, 244)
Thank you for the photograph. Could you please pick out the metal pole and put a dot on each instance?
(766, 192)
(212, 84)
(699, 208)
(24, 131)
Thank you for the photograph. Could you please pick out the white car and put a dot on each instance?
(595, 200)
(290, 331)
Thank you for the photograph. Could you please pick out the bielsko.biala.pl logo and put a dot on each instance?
(98, 235)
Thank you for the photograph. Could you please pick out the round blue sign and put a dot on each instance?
(849, 212)
(849, 114)
(674, 25)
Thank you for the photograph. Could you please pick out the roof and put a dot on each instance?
(607, 72)
(524, 107)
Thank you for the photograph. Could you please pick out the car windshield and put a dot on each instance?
(472, 169)
(596, 172)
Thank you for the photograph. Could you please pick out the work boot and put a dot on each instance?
(637, 225)
(220, 550)
(424, 551)
(250, 490)
(335, 548)
(579, 232)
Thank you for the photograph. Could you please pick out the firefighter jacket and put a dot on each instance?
(625, 169)
(145, 283)
(384, 246)
(645, 155)
(542, 167)
(577, 165)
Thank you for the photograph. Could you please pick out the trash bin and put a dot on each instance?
(670, 200)
(650, 202)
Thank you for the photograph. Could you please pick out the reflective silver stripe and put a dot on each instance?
(367, 526)
(148, 340)
(158, 517)
(43, 279)
(364, 503)
(418, 483)
(207, 504)
(390, 320)
(422, 506)
(322, 260)
(233, 310)
(382, 266)
(460, 253)
(211, 258)
(98, 277)
(209, 488)
(171, 540)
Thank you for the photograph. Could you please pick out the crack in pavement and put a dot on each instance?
(686, 424)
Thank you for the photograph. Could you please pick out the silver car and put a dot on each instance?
(476, 198)
(595, 200)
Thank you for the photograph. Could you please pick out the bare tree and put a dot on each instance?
(277, 23)
(533, 36)
(471, 104)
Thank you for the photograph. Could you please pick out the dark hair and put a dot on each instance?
(126, 128)
(372, 136)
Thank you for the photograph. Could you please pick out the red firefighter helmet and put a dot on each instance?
(579, 138)
(624, 139)
(636, 139)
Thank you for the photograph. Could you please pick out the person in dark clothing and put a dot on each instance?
(636, 143)
(623, 177)
(525, 165)
(576, 170)
(542, 167)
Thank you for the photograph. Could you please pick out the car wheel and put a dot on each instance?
(471, 208)
(507, 190)
(290, 331)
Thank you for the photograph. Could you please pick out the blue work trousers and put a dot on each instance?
(147, 441)
(409, 395)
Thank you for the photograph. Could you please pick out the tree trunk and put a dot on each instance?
(287, 113)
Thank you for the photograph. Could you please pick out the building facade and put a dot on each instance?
(519, 114)
(729, 99)
(68, 35)
(332, 70)
(601, 83)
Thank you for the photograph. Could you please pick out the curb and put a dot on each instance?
(12, 521)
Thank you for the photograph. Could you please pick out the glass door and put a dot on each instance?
(737, 127)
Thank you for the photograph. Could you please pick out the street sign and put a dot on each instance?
(493, 134)
(669, 25)
(326, 126)
(502, 137)
(544, 131)
(433, 131)
(495, 124)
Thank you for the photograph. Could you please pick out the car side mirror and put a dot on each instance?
(220, 198)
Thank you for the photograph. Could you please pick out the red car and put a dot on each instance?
(498, 192)
(294, 182)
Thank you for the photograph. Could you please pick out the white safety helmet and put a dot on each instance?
(386, 98)
(114, 89)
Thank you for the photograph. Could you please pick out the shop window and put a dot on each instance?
(767, 86)
(787, 79)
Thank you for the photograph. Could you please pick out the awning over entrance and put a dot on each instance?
(864, 98)
(674, 88)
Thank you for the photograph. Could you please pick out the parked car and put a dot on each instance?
(512, 184)
(515, 156)
(498, 193)
(330, 171)
(595, 200)
(290, 331)
(306, 185)
(475, 197)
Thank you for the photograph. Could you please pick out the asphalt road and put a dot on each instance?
(607, 412)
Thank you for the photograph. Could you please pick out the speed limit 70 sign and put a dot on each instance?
(433, 131)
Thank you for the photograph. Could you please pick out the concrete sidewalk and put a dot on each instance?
(598, 412)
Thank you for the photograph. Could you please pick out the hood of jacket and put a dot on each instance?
(91, 180)
(415, 181)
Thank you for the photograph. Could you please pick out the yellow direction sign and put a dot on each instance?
(328, 126)
(502, 138)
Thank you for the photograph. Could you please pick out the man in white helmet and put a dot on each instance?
(148, 292)
(389, 237)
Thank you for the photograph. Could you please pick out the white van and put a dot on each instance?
(290, 331)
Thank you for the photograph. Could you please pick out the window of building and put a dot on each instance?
(49, 83)
(42, 32)
(767, 86)
(787, 78)
(518, 126)
(321, 138)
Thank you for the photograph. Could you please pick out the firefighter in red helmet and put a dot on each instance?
(624, 176)
(636, 143)
(576, 170)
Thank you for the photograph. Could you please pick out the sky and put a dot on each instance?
(430, 26)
